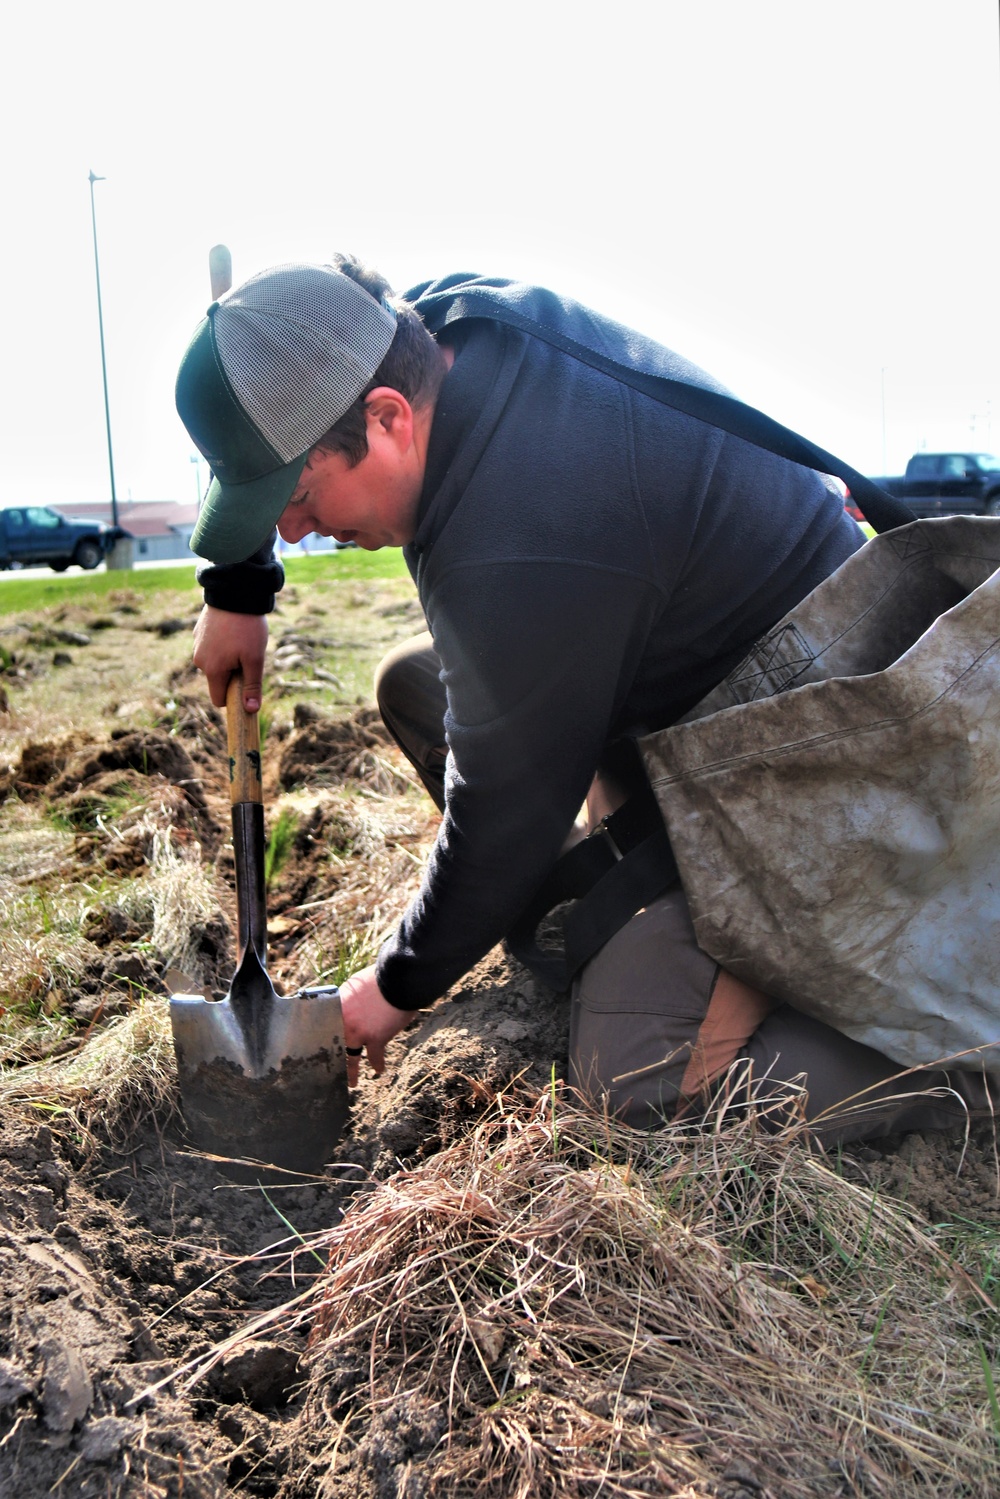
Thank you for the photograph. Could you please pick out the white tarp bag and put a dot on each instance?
(834, 804)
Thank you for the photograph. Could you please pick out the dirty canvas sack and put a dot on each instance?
(834, 805)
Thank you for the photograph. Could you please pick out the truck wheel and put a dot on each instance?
(59, 567)
(87, 555)
(993, 505)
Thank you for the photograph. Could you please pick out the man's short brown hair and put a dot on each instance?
(414, 364)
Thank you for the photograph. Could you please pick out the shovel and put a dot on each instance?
(263, 1076)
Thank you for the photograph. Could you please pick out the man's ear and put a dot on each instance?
(388, 414)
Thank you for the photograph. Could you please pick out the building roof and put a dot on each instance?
(141, 517)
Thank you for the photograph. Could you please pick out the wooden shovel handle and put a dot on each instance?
(243, 728)
(245, 784)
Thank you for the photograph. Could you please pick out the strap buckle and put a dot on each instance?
(603, 829)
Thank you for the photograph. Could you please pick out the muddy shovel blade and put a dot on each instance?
(263, 1076)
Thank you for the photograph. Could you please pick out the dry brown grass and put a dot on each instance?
(183, 894)
(383, 842)
(120, 1074)
(558, 1306)
(106, 1074)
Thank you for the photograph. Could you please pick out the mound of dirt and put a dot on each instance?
(501, 1025)
(148, 753)
(949, 1178)
(40, 763)
(325, 749)
(92, 783)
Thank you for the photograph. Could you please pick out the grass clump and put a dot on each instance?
(182, 897)
(48, 947)
(43, 954)
(350, 953)
(122, 1072)
(33, 1028)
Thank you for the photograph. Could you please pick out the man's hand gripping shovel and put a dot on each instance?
(263, 1076)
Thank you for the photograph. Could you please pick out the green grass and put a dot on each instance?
(279, 845)
(352, 564)
(18, 595)
(113, 803)
(975, 1246)
(990, 1391)
(353, 951)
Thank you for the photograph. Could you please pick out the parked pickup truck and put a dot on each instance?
(37, 536)
(948, 484)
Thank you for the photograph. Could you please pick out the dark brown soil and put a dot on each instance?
(325, 750)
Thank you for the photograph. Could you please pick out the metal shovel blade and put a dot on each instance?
(262, 1076)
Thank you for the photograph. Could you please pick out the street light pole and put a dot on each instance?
(196, 460)
(104, 364)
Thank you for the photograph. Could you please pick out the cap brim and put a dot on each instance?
(236, 519)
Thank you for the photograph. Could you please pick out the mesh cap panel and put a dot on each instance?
(299, 343)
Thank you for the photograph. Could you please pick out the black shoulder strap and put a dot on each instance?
(620, 868)
(883, 511)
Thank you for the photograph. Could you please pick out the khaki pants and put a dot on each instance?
(656, 1026)
(411, 700)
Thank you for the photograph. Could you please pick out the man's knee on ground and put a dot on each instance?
(638, 1007)
(412, 702)
(658, 1028)
(399, 677)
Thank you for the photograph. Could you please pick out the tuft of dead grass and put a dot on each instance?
(559, 1306)
(183, 898)
(107, 1077)
(120, 1073)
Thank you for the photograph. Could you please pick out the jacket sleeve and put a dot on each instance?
(535, 666)
(244, 587)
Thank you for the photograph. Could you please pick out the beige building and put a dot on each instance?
(162, 528)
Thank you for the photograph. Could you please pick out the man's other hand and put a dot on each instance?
(225, 643)
(369, 1020)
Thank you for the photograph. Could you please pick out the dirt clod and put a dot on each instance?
(263, 1374)
(328, 748)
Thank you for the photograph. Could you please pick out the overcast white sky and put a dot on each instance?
(801, 197)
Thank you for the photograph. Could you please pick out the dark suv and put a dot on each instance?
(37, 536)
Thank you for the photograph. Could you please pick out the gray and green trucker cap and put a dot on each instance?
(270, 368)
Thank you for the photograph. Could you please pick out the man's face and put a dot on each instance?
(374, 504)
